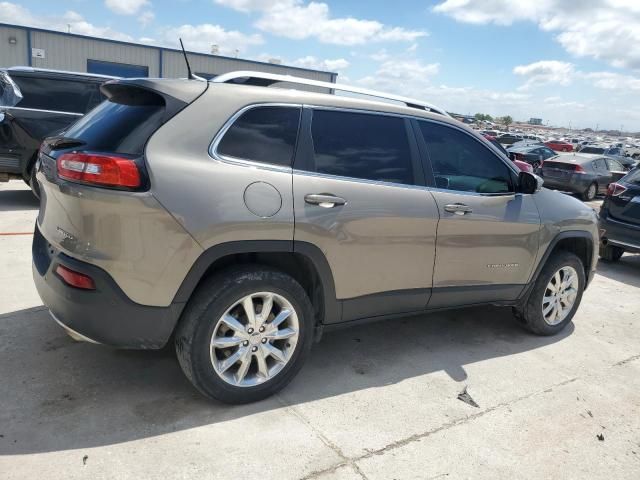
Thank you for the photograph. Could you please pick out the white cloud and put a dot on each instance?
(545, 72)
(613, 81)
(126, 7)
(146, 18)
(299, 20)
(312, 62)
(14, 13)
(201, 37)
(604, 29)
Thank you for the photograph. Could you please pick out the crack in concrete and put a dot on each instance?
(626, 360)
(418, 436)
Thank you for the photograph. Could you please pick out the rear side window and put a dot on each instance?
(263, 134)
(614, 165)
(59, 95)
(592, 150)
(360, 145)
(122, 124)
(461, 163)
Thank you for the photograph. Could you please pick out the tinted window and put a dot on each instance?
(53, 94)
(633, 177)
(548, 153)
(263, 134)
(122, 124)
(117, 69)
(600, 164)
(592, 150)
(372, 147)
(462, 163)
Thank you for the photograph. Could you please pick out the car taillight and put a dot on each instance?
(615, 189)
(578, 169)
(99, 169)
(519, 156)
(75, 279)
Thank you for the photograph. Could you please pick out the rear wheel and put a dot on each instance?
(245, 334)
(556, 295)
(590, 193)
(611, 253)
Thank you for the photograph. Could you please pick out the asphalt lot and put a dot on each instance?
(377, 401)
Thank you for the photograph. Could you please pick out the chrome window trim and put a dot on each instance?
(213, 146)
(42, 110)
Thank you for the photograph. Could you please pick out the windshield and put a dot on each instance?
(633, 177)
(592, 150)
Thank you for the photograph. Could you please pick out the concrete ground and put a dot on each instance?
(376, 401)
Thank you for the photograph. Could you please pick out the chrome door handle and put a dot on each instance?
(324, 200)
(458, 208)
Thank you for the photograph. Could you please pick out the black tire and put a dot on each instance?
(33, 182)
(611, 253)
(590, 193)
(209, 302)
(530, 315)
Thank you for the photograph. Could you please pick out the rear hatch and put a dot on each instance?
(560, 170)
(624, 203)
(93, 177)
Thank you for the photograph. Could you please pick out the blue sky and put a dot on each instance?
(564, 61)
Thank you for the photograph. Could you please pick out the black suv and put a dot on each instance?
(37, 103)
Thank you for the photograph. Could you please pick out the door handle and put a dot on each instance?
(458, 208)
(324, 200)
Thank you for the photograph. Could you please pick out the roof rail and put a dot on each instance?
(265, 79)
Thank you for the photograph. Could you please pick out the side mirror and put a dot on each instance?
(529, 183)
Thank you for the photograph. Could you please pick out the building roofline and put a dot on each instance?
(157, 47)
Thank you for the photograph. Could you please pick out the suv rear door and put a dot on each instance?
(488, 235)
(359, 196)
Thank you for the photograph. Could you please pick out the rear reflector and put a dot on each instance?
(98, 169)
(75, 279)
(615, 189)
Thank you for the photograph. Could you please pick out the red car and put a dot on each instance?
(522, 166)
(559, 146)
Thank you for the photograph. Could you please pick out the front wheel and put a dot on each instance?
(245, 334)
(556, 295)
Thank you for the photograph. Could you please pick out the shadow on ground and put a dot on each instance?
(18, 200)
(625, 270)
(57, 394)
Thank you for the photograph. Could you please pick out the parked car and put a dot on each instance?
(627, 162)
(583, 173)
(508, 138)
(559, 145)
(620, 218)
(243, 220)
(522, 166)
(534, 154)
(36, 103)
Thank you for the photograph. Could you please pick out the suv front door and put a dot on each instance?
(359, 196)
(487, 237)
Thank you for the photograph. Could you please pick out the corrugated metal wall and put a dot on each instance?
(71, 52)
(12, 53)
(64, 52)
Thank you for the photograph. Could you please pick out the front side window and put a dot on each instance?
(263, 134)
(461, 163)
(361, 145)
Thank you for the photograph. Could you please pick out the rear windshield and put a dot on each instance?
(73, 96)
(122, 124)
(592, 150)
(559, 165)
(633, 177)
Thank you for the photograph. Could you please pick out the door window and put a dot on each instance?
(600, 165)
(54, 94)
(263, 134)
(614, 165)
(462, 163)
(361, 145)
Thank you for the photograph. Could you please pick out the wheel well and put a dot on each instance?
(580, 246)
(296, 265)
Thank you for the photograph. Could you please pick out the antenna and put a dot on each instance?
(186, 60)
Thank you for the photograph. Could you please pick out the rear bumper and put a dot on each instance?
(104, 315)
(618, 233)
(567, 185)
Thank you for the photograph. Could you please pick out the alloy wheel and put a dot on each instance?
(254, 339)
(560, 295)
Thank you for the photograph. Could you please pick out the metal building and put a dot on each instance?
(27, 46)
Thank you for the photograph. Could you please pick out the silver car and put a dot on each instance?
(242, 221)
